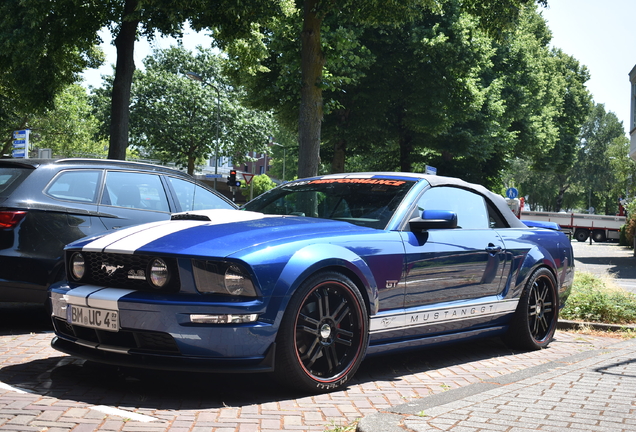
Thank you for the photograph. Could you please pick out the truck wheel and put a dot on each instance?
(581, 235)
(598, 236)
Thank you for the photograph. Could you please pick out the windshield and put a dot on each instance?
(367, 202)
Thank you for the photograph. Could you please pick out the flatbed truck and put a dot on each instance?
(581, 225)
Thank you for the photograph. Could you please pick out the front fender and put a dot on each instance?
(315, 257)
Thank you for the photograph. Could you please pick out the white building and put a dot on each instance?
(632, 116)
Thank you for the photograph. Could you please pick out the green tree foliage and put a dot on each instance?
(424, 80)
(12, 117)
(175, 119)
(599, 175)
(259, 185)
(70, 128)
(602, 137)
(432, 89)
(318, 24)
(44, 44)
(439, 91)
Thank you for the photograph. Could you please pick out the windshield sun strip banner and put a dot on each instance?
(368, 181)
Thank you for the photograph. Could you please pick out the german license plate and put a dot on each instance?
(95, 318)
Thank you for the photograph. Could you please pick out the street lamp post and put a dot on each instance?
(196, 77)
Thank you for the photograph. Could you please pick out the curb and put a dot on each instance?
(577, 325)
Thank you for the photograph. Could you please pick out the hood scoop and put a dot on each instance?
(190, 216)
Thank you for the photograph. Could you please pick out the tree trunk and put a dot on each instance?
(310, 114)
(124, 69)
(340, 147)
(339, 156)
(406, 148)
(563, 187)
(191, 161)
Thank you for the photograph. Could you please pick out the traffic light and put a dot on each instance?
(231, 179)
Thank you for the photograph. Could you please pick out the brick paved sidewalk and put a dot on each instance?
(44, 390)
(589, 391)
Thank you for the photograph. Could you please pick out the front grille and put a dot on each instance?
(140, 342)
(126, 271)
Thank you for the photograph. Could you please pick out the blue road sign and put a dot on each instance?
(512, 193)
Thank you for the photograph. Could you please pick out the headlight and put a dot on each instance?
(159, 273)
(77, 266)
(238, 282)
(222, 278)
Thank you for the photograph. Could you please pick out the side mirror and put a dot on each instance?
(434, 219)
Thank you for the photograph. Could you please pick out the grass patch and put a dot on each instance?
(599, 300)
(340, 428)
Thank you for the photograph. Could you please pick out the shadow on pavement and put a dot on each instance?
(69, 378)
(619, 267)
(20, 318)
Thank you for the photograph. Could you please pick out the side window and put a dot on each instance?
(470, 207)
(77, 185)
(495, 219)
(135, 190)
(191, 196)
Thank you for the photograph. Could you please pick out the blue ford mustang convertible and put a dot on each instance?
(311, 277)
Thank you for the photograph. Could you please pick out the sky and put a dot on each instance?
(598, 33)
(143, 48)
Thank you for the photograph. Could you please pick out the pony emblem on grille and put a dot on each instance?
(110, 269)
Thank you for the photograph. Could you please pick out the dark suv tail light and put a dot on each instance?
(9, 219)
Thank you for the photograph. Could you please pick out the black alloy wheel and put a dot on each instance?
(535, 319)
(324, 334)
(541, 308)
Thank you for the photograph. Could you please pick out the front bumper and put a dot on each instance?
(156, 332)
(78, 348)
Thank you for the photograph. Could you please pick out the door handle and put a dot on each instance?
(492, 249)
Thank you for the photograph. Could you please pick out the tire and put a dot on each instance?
(599, 236)
(323, 335)
(535, 320)
(581, 235)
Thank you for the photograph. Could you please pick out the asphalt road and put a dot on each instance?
(607, 259)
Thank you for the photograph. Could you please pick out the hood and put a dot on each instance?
(225, 233)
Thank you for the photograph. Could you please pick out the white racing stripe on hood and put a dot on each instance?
(130, 239)
(134, 241)
(99, 244)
